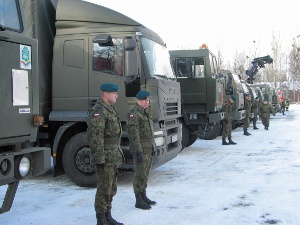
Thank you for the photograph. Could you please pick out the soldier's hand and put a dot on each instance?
(139, 157)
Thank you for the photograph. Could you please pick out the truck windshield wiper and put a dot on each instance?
(163, 76)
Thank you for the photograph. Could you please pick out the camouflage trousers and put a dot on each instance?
(106, 176)
(265, 120)
(246, 122)
(141, 173)
(227, 128)
(254, 119)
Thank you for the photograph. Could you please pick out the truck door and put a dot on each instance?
(16, 79)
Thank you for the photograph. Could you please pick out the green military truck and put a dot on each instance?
(78, 46)
(201, 93)
(20, 116)
(267, 92)
(234, 86)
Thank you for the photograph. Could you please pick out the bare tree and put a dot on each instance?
(294, 64)
(277, 73)
(239, 62)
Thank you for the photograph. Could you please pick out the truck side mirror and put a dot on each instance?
(131, 62)
(132, 81)
(103, 40)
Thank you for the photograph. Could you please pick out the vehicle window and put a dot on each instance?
(9, 17)
(109, 59)
(186, 67)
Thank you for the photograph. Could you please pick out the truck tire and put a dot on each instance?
(192, 139)
(209, 131)
(78, 161)
(185, 136)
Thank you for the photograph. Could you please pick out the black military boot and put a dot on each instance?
(255, 128)
(224, 142)
(246, 133)
(111, 220)
(231, 142)
(267, 128)
(140, 203)
(101, 220)
(146, 199)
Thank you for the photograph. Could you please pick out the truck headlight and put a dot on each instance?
(23, 166)
(159, 141)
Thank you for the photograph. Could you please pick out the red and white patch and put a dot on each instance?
(131, 116)
(96, 115)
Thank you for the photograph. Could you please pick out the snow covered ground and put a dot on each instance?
(256, 181)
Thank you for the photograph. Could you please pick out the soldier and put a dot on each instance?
(264, 112)
(104, 133)
(247, 107)
(227, 122)
(254, 110)
(283, 106)
(141, 136)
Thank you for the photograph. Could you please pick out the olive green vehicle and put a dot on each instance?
(201, 93)
(270, 94)
(78, 46)
(234, 86)
(20, 157)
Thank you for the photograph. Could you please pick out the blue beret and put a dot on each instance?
(233, 97)
(247, 94)
(142, 95)
(265, 100)
(256, 97)
(109, 87)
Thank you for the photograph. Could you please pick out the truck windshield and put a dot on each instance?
(9, 17)
(158, 59)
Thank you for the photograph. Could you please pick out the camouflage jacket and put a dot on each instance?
(265, 110)
(254, 107)
(247, 107)
(140, 130)
(104, 134)
(227, 108)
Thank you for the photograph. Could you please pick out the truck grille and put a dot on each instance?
(171, 109)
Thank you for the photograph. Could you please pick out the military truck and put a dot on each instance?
(233, 86)
(79, 46)
(266, 90)
(20, 117)
(201, 93)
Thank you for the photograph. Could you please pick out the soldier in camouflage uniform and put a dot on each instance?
(283, 106)
(247, 107)
(227, 122)
(104, 133)
(264, 112)
(141, 136)
(254, 110)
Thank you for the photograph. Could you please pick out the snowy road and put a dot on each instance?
(256, 181)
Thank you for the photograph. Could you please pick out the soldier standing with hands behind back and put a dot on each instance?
(227, 122)
(247, 107)
(104, 134)
(254, 110)
(141, 137)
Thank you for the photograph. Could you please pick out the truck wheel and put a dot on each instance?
(78, 161)
(185, 136)
(192, 139)
(209, 131)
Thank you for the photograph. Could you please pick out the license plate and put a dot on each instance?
(174, 138)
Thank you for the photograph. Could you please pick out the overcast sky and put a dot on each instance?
(230, 25)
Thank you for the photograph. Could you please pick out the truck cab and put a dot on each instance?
(233, 86)
(201, 92)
